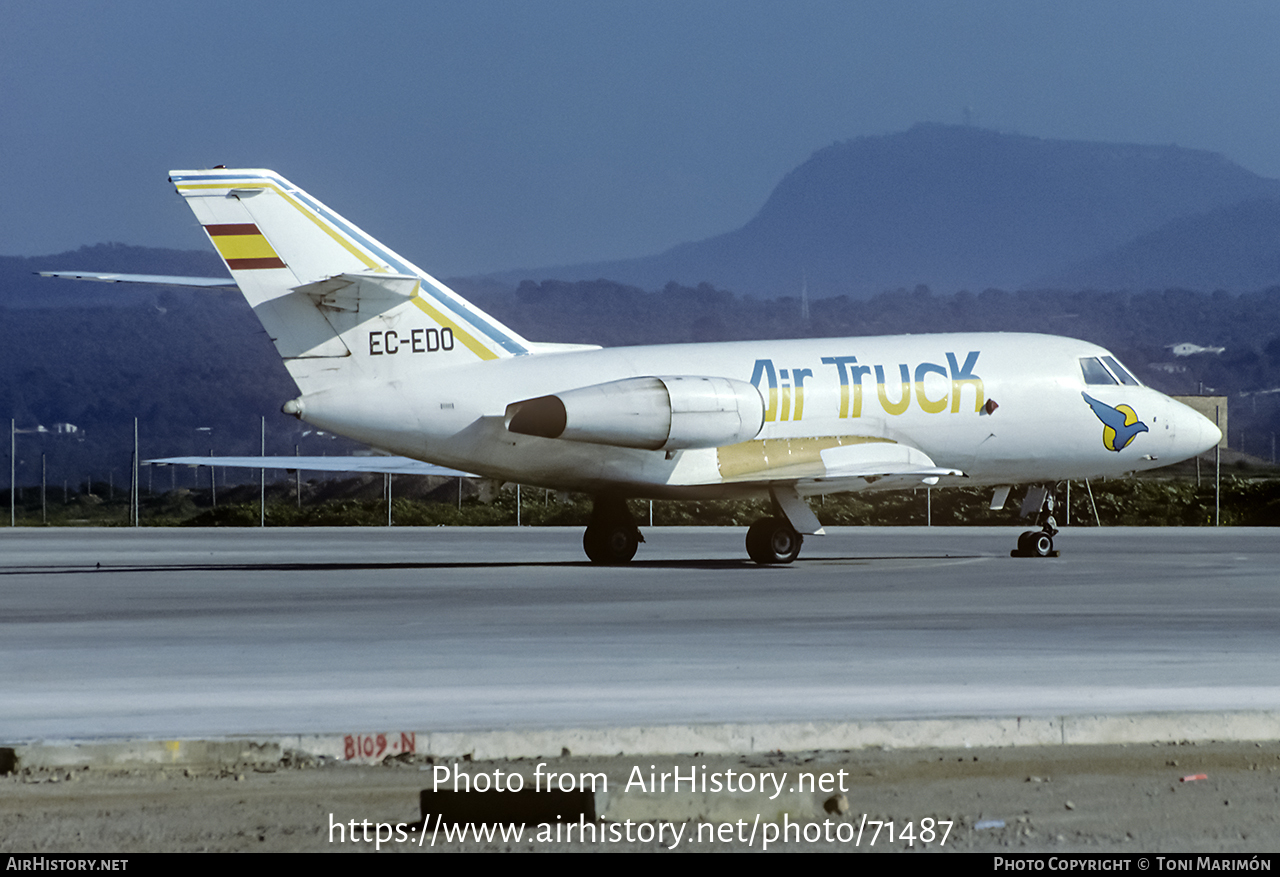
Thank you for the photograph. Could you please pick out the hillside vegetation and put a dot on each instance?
(1246, 500)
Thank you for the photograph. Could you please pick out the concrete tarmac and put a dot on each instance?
(191, 633)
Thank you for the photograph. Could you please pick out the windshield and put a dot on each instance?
(1095, 372)
(1119, 371)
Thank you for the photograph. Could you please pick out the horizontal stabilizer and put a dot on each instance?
(392, 465)
(556, 347)
(150, 279)
(361, 293)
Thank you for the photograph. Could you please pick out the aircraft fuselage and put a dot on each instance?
(932, 392)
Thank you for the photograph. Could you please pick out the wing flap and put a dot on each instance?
(879, 460)
(882, 480)
(880, 466)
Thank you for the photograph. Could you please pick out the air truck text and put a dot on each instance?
(695, 779)
(933, 387)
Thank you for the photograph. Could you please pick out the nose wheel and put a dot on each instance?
(1034, 543)
(1039, 543)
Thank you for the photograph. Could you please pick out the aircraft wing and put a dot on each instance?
(895, 464)
(392, 465)
(151, 279)
(855, 464)
(880, 478)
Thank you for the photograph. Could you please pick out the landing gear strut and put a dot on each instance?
(773, 540)
(1038, 543)
(612, 535)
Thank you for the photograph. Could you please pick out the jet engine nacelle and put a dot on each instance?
(653, 413)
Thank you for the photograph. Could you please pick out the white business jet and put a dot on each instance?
(386, 354)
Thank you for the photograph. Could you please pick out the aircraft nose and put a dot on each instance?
(1196, 433)
(1210, 435)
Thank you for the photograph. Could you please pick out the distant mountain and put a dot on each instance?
(1235, 247)
(949, 207)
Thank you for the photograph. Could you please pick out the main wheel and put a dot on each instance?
(773, 540)
(610, 544)
(1041, 545)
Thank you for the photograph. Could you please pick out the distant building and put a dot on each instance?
(1186, 349)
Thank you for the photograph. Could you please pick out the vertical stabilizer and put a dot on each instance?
(324, 290)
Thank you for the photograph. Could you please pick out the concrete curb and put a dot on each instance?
(372, 747)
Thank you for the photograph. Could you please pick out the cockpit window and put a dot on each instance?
(1094, 371)
(1119, 371)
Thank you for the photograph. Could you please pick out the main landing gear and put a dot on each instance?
(1038, 543)
(773, 540)
(777, 538)
(612, 535)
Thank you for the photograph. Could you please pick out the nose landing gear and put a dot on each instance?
(1038, 543)
(1035, 543)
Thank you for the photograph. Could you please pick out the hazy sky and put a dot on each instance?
(477, 135)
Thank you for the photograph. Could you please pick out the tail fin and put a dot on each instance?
(333, 299)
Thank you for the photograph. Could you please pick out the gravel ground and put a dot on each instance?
(1070, 798)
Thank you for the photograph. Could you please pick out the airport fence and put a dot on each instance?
(1242, 500)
